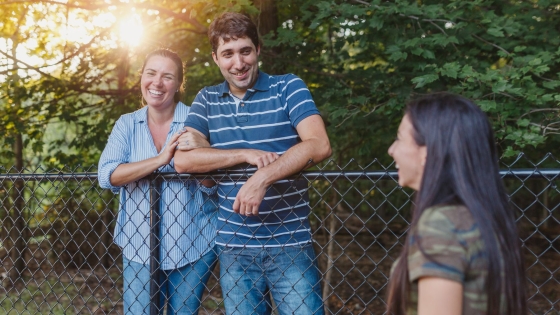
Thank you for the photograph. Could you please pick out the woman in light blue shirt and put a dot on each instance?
(141, 143)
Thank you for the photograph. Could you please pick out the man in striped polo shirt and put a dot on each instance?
(269, 125)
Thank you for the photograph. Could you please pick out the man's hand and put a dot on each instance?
(251, 194)
(192, 140)
(206, 158)
(249, 197)
(260, 158)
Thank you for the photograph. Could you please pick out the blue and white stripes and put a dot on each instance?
(188, 225)
(265, 119)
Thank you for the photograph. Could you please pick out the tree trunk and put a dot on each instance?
(105, 239)
(327, 288)
(5, 220)
(123, 70)
(268, 16)
(267, 23)
(18, 247)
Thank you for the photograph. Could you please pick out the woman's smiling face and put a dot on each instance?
(159, 81)
(409, 157)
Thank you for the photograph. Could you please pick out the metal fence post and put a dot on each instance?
(155, 218)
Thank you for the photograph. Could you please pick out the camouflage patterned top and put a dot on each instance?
(452, 249)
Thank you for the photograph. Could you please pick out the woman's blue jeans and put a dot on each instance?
(249, 276)
(181, 288)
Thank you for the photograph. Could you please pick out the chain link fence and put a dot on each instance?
(58, 257)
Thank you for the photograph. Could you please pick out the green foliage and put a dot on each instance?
(364, 59)
(66, 75)
(361, 59)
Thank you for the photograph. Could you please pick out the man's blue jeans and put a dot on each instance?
(182, 288)
(289, 274)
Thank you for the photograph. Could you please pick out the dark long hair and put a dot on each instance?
(462, 167)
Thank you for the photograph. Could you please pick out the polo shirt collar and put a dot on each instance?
(262, 84)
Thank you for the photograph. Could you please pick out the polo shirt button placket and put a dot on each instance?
(242, 113)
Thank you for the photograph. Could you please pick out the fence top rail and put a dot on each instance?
(548, 173)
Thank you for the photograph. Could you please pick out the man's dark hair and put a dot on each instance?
(232, 25)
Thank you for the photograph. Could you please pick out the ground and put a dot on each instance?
(359, 275)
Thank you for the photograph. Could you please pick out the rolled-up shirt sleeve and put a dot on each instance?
(198, 114)
(116, 152)
(207, 190)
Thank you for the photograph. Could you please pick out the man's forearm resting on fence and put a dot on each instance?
(315, 147)
(204, 160)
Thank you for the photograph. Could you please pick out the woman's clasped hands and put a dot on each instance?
(182, 140)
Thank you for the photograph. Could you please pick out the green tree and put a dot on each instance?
(364, 59)
(361, 59)
(66, 75)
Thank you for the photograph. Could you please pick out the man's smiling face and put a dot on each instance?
(238, 62)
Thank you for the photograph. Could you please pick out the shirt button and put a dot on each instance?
(242, 104)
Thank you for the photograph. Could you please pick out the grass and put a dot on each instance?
(47, 297)
(51, 296)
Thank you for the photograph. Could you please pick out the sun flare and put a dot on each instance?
(131, 30)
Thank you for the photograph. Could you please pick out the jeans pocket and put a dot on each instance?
(301, 252)
(226, 250)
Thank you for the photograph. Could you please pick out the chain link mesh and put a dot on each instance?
(58, 257)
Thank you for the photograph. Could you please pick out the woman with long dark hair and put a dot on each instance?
(462, 254)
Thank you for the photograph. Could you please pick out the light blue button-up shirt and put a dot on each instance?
(188, 214)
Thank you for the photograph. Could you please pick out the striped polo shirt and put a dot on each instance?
(265, 119)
